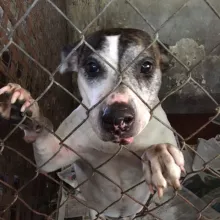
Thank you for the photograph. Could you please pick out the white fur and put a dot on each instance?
(110, 53)
(87, 144)
(125, 169)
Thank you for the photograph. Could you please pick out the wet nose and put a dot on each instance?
(118, 117)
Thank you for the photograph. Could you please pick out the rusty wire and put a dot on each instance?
(96, 170)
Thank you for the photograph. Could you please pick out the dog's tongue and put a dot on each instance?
(125, 141)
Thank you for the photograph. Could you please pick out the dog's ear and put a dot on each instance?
(69, 64)
(165, 57)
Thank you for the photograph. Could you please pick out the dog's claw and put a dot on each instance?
(176, 184)
(4, 89)
(25, 106)
(151, 188)
(183, 169)
(160, 191)
(15, 97)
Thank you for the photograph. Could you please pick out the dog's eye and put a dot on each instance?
(146, 67)
(92, 67)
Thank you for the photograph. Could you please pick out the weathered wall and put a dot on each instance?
(42, 34)
(192, 32)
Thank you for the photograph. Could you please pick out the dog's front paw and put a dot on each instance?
(18, 100)
(162, 166)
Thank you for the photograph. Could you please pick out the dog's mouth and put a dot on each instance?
(123, 141)
(121, 137)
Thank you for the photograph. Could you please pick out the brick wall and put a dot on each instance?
(42, 35)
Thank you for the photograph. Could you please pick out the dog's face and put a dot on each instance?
(122, 114)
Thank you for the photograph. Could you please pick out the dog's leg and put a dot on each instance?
(128, 218)
(93, 216)
(45, 143)
(162, 165)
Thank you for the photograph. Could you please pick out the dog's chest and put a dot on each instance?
(108, 184)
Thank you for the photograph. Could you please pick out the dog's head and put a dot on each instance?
(122, 114)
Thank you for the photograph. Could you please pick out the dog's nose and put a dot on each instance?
(118, 118)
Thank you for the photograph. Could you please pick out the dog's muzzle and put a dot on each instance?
(118, 119)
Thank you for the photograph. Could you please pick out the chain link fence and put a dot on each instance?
(50, 75)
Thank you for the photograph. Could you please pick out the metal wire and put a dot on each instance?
(96, 170)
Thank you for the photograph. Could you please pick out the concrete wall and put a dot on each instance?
(191, 34)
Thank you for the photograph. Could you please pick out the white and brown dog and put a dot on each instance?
(122, 118)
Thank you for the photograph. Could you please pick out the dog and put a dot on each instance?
(121, 137)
